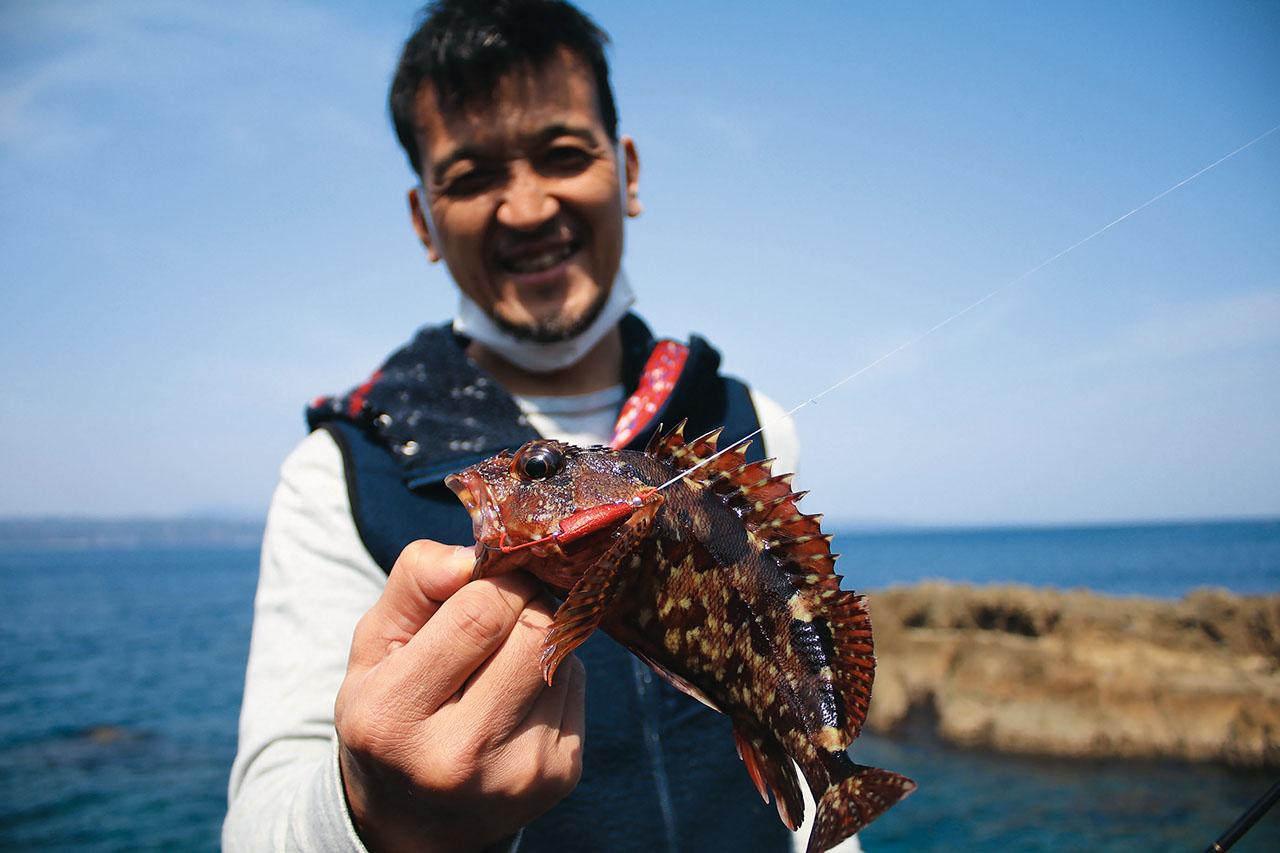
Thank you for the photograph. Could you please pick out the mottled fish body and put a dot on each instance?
(718, 582)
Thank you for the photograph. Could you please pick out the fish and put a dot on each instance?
(718, 582)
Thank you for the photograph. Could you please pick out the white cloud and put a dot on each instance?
(1210, 327)
(31, 126)
(62, 58)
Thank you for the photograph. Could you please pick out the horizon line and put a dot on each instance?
(832, 523)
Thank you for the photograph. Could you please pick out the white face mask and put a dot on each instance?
(537, 357)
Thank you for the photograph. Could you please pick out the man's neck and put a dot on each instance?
(600, 368)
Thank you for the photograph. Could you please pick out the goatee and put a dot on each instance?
(553, 329)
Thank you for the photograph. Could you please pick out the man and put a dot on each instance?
(443, 735)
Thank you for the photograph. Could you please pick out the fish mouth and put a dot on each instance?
(486, 523)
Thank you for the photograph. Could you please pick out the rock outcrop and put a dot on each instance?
(1075, 673)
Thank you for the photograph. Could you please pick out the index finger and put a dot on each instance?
(424, 576)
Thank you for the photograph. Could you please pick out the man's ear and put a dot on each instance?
(632, 162)
(417, 212)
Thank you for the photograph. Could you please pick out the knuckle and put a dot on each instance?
(415, 554)
(448, 777)
(433, 570)
(517, 583)
(370, 724)
(359, 733)
(570, 771)
(478, 618)
(360, 632)
(537, 617)
(457, 762)
(546, 774)
(559, 778)
(364, 626)
(530, 780)
(565, 766)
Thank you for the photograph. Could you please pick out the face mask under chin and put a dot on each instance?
(537, 356)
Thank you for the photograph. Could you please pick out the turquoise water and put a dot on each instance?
(120, 679)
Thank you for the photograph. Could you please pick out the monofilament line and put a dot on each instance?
(966, 309)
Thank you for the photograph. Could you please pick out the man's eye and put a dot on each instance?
(566, 159)
(471, 182)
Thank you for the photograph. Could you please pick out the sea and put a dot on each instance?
(121, 670)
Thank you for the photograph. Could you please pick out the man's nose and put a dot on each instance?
(527, 201)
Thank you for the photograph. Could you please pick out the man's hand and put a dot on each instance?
(448, 737)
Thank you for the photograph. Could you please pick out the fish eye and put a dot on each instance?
(538, 462)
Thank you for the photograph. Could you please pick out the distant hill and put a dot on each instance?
(65, 532)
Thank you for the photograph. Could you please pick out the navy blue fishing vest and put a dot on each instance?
(660, 772)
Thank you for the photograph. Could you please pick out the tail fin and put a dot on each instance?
(853, 802)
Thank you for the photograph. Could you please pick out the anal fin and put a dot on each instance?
(772, 771)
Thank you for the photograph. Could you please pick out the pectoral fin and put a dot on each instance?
(594, 593)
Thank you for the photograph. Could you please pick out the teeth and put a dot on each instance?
(540, 262)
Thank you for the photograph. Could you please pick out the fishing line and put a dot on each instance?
(972, 305)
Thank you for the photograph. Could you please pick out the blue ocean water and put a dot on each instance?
(1162, 560)
(121, 670)
(120, 682)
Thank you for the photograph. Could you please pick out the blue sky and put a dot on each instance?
(202, 225)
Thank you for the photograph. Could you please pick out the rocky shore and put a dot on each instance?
(1074, 673)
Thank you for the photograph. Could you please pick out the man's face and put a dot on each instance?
(524, 198)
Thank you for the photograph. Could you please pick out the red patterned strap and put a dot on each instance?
(657, 381)
(355, 403)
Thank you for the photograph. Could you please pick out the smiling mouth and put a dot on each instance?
(536, 262)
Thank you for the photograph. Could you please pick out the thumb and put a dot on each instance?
(425, 575)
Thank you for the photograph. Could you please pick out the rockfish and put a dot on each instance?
(717, 582)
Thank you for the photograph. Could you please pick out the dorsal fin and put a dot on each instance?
(705, 445)
(655, 441)
(673, 449)
(855, 661)
(803, 549)
(745, 483)
(718, 474)
(768, 508)
(831, 634)
(763, 501)
(692, 453)
(663, 447)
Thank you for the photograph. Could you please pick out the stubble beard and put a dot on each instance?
(552, 330)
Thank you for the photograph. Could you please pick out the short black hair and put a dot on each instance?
(463, 47)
